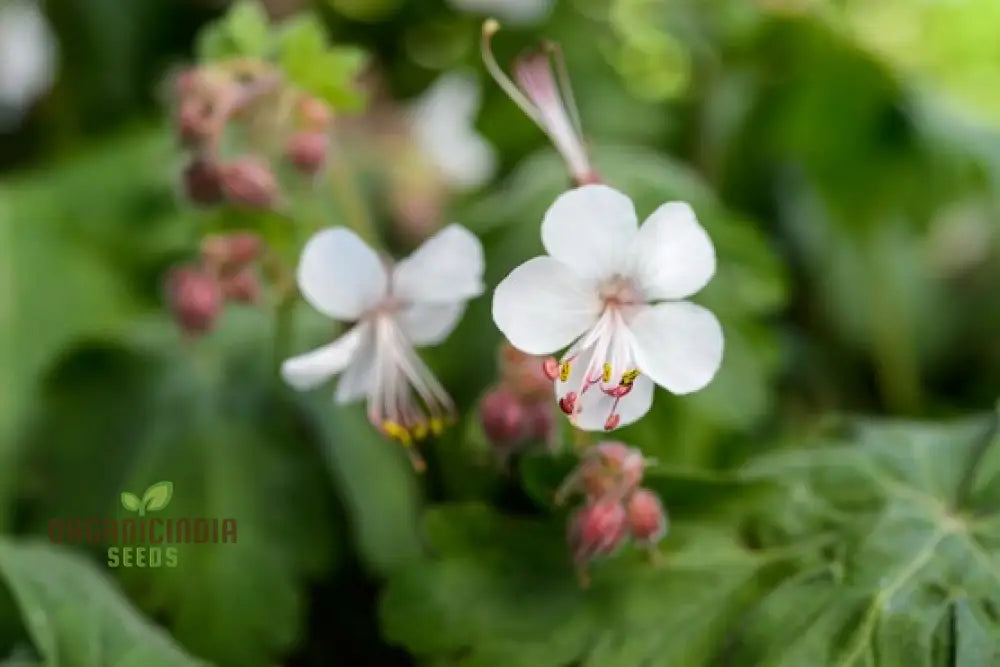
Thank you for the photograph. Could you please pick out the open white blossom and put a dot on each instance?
(416, 302)
(443, 121)
(615, 291)
(27, 58)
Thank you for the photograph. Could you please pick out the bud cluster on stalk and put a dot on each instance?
(239, 121)
(616, 507)
(225, 273)
(518, 411)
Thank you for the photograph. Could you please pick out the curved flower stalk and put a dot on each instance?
(615, 293)
(416, 302)
(543, 92)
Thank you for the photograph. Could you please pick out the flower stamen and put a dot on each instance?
(406, 402)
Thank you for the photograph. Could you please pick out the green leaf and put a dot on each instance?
(878, 547)
(157, 496)
(914, 547)
(232, 446)
(130, 501)
(129, 217)
(244, 31)
(76, 617)
(328, 72)
(501, 591)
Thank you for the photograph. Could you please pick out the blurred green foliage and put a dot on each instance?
(852, 201)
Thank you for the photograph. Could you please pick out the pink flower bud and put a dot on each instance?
(307, 151)
(525, 374)
(196, 124)
(610, 470)
(202, 182)
(231, 251)
(543, 421)
(505, 420)
(194, 299)
(624, 462)
(314, 114)
(187, 82)
(647, 520)
(242, 287)
(248, 182)
(597, 529)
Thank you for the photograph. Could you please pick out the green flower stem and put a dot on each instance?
(284, 328)
(897, 372)
(346, 188)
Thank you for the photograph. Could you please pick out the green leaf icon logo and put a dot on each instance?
(130, 501)
(157, 497)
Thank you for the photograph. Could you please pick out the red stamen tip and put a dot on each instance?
(551, 368)
(619, 391)
(612, 421)
(568, 402)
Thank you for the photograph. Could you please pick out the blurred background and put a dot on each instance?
(844, 157)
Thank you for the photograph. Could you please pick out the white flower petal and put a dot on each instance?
(313, 368)
(542, 306)
(340, 275)
(28, 51)
(678, 345)
(591, 229)
(356, 380)
(595, 406)
(448, 267)
(442, 121)
(429, 324)
(673, 255)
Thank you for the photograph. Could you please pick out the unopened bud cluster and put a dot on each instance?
(235, 121)
(226, 272)
(518, 410)
(615, 508)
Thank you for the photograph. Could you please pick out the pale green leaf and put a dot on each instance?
(158, 495)
(130, 501)
(75, 615)
(244, 31)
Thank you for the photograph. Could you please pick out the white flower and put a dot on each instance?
(614, 289)
(515, 12)
(443, 125)
(416, 302)
(27, 58)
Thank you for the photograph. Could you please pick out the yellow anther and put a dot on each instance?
(419, 431)
(606, 375)
(397, 432)
(629, 377)
(437, 425)
(564, 371)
